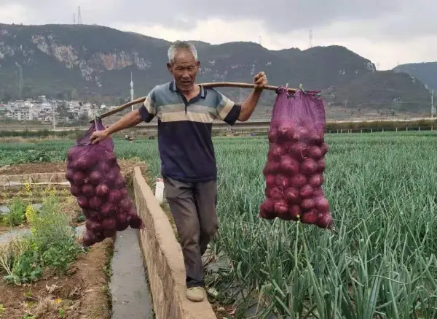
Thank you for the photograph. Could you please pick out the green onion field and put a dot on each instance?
(380, 263)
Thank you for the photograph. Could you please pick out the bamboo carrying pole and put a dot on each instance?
(205, 85)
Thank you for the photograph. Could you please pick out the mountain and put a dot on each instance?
(399, 92)
(425, 72)
(95, 62)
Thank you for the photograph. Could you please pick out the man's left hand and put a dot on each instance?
(260, 81)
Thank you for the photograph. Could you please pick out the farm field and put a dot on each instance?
(380, 264)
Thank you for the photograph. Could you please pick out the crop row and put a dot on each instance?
(381, 263)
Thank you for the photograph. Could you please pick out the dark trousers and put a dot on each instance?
(193, 206)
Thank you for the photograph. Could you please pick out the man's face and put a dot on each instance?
(184, 70)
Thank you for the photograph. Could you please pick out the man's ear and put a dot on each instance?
(169, 67)
(198, 64)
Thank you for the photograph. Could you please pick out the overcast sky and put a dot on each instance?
(387, 32)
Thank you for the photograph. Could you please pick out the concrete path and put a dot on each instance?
(129, 288)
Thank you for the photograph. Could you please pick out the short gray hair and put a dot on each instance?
(181, 45)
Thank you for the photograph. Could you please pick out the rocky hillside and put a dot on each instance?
(79, 61)
(425, 72)
(400, 92)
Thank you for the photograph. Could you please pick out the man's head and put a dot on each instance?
(183, 64)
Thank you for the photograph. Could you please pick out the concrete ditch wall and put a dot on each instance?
(164, 261)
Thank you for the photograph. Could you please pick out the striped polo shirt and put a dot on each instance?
(184, 130)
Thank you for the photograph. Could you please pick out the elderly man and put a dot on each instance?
(185, 112)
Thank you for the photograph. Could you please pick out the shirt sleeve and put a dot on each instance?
(148, 109)
(227, 110)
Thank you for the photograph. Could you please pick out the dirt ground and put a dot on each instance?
(33, 168)
(82, 294)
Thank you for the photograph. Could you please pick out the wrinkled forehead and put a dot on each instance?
(184, 57)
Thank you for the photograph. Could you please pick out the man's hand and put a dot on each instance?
(260, 81)
(98, 136)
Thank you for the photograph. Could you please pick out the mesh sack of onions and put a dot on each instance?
(295, 161)
(100, 188)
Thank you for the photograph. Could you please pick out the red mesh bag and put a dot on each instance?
(295, 162)
(100, 188)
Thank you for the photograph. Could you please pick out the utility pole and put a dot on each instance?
(79, 16)
(54, 106)
(311, 38)
(131, 90)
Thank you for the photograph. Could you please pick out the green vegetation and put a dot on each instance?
(51, 244)
(16, 215)
(381, 264)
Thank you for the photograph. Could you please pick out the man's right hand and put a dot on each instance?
(98, 136)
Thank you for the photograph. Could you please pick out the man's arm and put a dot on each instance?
(249, 105)
(129, 120)
(145, 113)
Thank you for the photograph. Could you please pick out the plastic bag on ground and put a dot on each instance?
(295, 162)
(100, 188)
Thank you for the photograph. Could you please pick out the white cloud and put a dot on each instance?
(386, 32)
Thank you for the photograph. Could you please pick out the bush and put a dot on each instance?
(51, 245)
(16, 216)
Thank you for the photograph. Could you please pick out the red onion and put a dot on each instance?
(298, 180)
(306, 191)
(315, 152)
(276, 194)
(102, 190)
(281, 207)
(282, 181)
(270, 180)
(88, 239)
(69, 174)
(308, 166)
(289, 165)
(309, 217)
(316, 180)
(268, 206)
(292, 195)
(273, 135)
(108, 209)
(83, 162)
(295, 212)
(78, 178)
(74, 190)
(95, 203)
(322, 204)
(277, 151)
(136, 222)
(324, 148)
(320, 165)
(88, 190)
(325, 220)
(299, 150)
(307, 204)
(82, 202)
(95, 177)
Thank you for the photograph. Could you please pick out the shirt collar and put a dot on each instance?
(172, 87)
